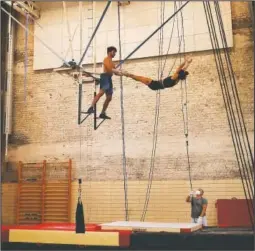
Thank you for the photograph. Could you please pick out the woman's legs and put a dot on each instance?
(141, 79)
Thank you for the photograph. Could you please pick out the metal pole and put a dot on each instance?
(80, 75)
(79, 103)
(95, 114)
(94, 43)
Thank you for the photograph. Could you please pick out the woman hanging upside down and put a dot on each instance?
(180, 74)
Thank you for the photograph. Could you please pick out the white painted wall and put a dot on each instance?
(138, 20)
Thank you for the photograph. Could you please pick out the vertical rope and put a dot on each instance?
(156, 120)
(80, 75)
(227, 103)
(230, 105)
(234, 91)
(124, 162)
(62, 33)
(68, 29)
(170, 40)
(71, 40)
(185, 106)
(180, 39)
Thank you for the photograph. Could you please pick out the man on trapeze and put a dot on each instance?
(106, 82)
(180, 74)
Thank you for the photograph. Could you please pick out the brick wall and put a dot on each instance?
(45, 126)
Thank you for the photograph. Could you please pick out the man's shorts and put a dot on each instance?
(106, 83)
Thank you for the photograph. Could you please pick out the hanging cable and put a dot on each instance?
(235, 93)
(124, 162)
(227, 103)
(80, 73)
(230, 109)
(179, 45)
(161, 41)
(71, 42)
(226, 95)
(156, 119)
(248, 171)
(68, 28)
(184, 93)
(170, 40)
(94, 45)
(248, 176)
